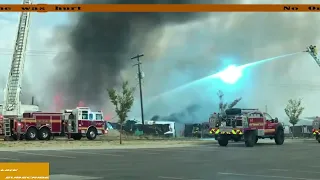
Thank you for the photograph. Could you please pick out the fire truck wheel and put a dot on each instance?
(250, 138)
(44, 134)
(92, 133)
(223, 140)
(31, 134)
(257, 139)
(279, 137)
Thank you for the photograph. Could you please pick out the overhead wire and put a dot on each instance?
(9, 52)
(6, 51)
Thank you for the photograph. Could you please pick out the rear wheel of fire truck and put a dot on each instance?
(250, 138)
(44, 133)
(92, 133)
(31, 134)
(279, 136)
(223, 140)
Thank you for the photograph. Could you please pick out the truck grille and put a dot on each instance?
(233, 122)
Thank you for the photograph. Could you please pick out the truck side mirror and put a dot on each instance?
(276, 120)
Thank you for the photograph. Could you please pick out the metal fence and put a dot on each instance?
(300, 131)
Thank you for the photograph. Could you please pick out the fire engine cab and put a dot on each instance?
(76, 123)
(83, 122)
(247, 124)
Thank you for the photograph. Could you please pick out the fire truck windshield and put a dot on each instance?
(99, 117)
(85, 115)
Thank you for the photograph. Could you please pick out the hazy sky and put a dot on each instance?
(182, 53)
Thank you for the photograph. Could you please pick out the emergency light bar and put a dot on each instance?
(68, 111)
(82, 107)
(250, 109)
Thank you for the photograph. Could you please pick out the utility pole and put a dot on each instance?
(140, 87)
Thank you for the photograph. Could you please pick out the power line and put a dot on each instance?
(57, 52)
(32, 51)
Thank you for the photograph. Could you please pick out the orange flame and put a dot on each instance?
(58, 102)
(107, 117)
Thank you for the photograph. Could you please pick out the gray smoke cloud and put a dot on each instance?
(188, 115)
(101, 45)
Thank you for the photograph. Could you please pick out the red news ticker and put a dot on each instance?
(160, 8)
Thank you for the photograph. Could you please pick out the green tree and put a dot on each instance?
(293, 111)
(123, 102)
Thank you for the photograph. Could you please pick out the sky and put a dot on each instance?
(185, 52)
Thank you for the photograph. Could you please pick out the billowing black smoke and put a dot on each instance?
(102, 43)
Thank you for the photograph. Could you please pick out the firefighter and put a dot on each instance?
(69, 128)
(196, 131)
(315, 52)
(310, 49)
(71, 123)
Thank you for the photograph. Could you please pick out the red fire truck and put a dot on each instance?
(247, 124)
(76, 123)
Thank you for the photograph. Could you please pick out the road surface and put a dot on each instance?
(265, 161)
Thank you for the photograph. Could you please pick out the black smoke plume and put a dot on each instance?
(101, 45)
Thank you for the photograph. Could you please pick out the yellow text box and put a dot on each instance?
(26, 171)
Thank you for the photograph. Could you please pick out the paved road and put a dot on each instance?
(265, 161)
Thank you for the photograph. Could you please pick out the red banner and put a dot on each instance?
(161, 8)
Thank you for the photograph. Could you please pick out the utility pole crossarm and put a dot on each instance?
(137, 56)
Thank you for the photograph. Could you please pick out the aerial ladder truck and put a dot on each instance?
(12, 105)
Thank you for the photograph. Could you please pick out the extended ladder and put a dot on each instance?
(12, 102)
(312, 50)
